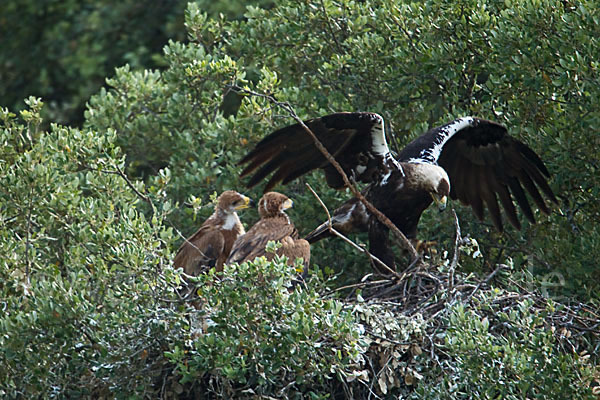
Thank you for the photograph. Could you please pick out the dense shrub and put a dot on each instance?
(257, 336)
(63, 51)
(89, 218)
(83, 278)
(506, 353)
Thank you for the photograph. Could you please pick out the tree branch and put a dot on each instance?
(486, 280)
(28, 244)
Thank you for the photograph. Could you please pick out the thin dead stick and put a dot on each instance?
(454, 263)
(360, 284)
(486, 280)
(356, 246)
(119, 172)
(28, 244)
(329, 223)
(186, 241)
(380, 216)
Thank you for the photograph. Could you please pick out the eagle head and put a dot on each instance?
(231, 201)
(441, 193)
(273, 203)
(433, 179)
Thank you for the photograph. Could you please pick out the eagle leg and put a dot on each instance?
(379, 246)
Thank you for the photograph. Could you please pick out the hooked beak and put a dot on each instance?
(247, 203)
(287, 204)
(440, 201)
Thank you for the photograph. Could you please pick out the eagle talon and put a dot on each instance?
(425, 246)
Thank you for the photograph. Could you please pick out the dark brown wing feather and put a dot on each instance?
(202, 249)
(290, 151)
(504, 195)
(485, 165)
(252, 244)
(351, 216)
(489, 198)
(477, 202)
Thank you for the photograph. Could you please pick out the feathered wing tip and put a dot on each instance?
(270, 154)
(272, 141)
(487, 168)
(296, 248)
(288, 153)
(352, 216)
(320, 232)
(535, 166)
(524, 173)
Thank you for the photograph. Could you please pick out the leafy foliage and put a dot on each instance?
(260, 338)
(83, 271)
(506, 354)
(89, 217)
(419, 64)
(63, 51)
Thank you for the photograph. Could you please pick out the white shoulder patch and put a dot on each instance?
(343, 218)
(385, 178)
(432, 153)
(380, 146)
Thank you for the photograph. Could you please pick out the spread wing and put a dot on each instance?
(202, 249)
(356, 140)
(252, 244)
(485, 164)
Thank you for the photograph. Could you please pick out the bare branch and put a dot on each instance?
(132, 187)
(322, 205)
(28, 244)
(360, 284)
(337, 43)
(124, 176)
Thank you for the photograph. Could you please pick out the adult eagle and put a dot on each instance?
(275, 225)
(211, 244)
(470, 159)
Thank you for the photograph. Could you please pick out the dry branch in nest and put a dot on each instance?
(411, 312)
(404, 314)
(404, 311)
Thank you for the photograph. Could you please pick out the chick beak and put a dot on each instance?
(247, 203)
(287, 204)
(440, 201)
